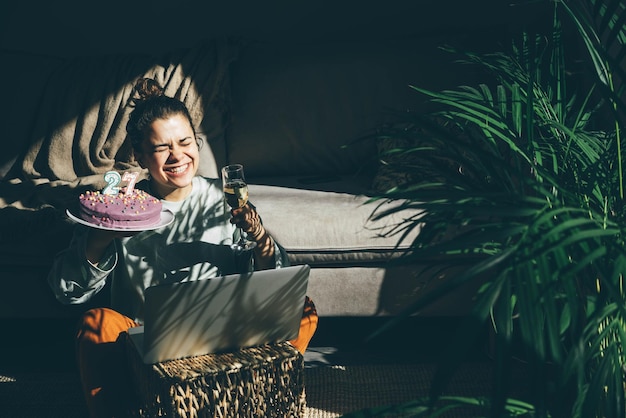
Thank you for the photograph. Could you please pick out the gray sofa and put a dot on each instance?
(290, 111)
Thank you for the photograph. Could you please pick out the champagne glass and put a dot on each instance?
(236, 194)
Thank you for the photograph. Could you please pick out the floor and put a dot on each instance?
(342, 364)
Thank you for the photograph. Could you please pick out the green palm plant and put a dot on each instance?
(524, 178)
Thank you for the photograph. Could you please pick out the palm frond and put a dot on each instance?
(521, 180)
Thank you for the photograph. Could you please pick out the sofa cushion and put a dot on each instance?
(295, 105)
(322, 228)
(387, 290)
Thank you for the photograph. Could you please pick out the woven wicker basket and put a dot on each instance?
(265, 381)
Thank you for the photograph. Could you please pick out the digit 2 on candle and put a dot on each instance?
(113, 179)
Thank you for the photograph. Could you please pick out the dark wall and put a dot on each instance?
(73, 27)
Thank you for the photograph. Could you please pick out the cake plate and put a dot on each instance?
(167, 217)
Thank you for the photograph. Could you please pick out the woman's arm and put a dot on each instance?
(80, 271)
(267, 254)
(265, 250)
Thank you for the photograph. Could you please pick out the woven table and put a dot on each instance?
(266, 381)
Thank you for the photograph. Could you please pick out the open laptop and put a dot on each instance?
(221, 314)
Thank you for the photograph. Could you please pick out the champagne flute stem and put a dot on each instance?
(242, 240)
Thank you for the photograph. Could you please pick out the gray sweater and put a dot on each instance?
(195, 245)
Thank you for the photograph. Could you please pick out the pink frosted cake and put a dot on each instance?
(135, 210)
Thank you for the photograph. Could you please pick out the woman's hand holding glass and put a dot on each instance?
(249, 221)
(236, 195)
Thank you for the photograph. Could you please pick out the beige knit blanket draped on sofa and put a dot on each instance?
(80, 129)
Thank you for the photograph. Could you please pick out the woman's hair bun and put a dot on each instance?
(146, 88)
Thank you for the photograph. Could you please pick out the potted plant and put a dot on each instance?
(524, 176)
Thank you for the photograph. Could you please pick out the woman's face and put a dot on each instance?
(170, 153)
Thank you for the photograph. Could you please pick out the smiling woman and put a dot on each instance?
(163, 138)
